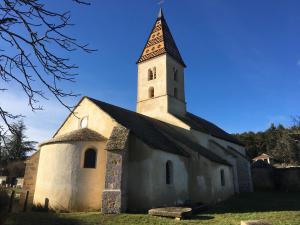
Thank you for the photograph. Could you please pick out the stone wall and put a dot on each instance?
(283, 179)
(263, 179)
(30, 179)
(287, 179)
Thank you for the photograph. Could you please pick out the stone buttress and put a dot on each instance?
(114, 194)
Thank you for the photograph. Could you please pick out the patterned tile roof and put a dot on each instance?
(160, 41)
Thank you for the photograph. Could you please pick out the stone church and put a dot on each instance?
(108, 158)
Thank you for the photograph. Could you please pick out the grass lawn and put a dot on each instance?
(277, 208)
(9, 190)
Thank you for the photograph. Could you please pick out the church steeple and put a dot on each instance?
(161, 75)
(160, 41)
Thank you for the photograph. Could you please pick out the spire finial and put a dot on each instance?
(160, 14)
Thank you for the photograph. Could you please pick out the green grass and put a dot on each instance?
(17, 190)
(277, 208)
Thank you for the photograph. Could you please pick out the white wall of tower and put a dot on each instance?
(164, 100)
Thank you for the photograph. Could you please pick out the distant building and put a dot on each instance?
(12, 170)
(263, 157)
(19, 182)
(3, 180)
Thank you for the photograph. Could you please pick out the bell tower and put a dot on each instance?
(160, 74)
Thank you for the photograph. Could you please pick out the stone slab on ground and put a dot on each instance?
(255, 222)
(174, 212)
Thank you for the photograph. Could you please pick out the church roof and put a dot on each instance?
(84, 134)
(155, 133)
(142, 126)
(202, 125)
(160, 41)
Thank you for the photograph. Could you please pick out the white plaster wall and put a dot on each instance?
(98, 120)
(179, 83)
(176, 106)
(205, 179)
(62, 179)
(232, 159)
(147, 107)
(159, 84)
(196, 179)
(241, 167)
(163, 85)
(147, 186)
(221, 193)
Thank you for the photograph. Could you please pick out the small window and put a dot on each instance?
(154, 73)
(84, 122)
(151, 92)
(169, 172)
(175, 92)
(175, 74)
(222, 178)
(90, 156)
(150, 74)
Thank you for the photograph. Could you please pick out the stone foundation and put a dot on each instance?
(111, 201)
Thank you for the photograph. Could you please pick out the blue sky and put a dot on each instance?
(242, 57)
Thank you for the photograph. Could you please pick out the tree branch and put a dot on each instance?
(33, 34)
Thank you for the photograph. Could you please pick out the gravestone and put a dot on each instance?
(175, 212)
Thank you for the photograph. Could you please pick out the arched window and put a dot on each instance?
(175, 92)
(90, 156)
(84, 122)
(150, 74)
(175, 74)
(222, 177)
(169, 172)
(154, 72)
(151, 92)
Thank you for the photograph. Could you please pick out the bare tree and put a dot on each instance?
(30, 37)
(296, 122)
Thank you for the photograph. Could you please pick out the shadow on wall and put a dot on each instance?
(46, 208)
(259, 202)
